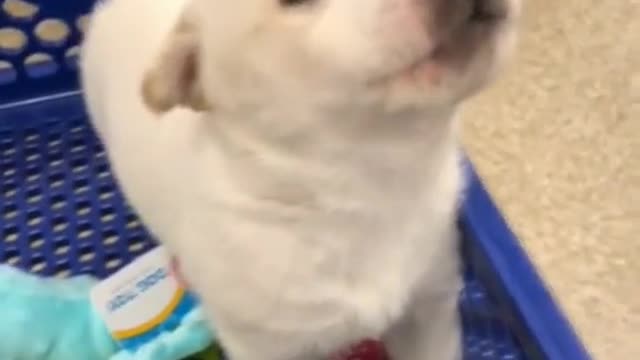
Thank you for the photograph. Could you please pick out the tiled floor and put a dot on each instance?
(558, 142)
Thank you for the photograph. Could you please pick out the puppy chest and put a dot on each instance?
(326, 281)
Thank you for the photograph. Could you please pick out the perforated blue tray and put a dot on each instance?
(62, 214)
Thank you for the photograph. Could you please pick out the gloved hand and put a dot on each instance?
(49, 319)
(53, 319)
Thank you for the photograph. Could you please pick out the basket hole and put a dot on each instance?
(61, 246)
(78, 145)
(32, 153)
(79, 165)
(85, 230)
(12, 40)
(56, 177)
(10, 164)
(9, 151)
(9, 172)
(113, 262)
(32, 169)
(136, 243)
(52, 32)
(31, 135)
(33, 191)
(106, 192)
(54, 139)
(36, 241)
(103, 171)
(11, 257)
(31, 145)
(62, 250)
(55, 135)
(58, 201)
(56, 180)
(133, 224)
(56, 163)
(9, 190)
(33, 174)
(80, 186)
(59, 224)
(80, 182)
(110, 237)
(82, 22)
(107, 215)
(10, 234)
(34, 195)
(77, 128)
(9, 212)
(32, 157)
(6, 142)
(40, 65)
(79, 161)
(83, 208)
(87, 254)
(8, 73)
(54, 143)
(34, 218)
(85, 258)
(13, 261)
(62, 270)
(19, 9)
(55, 156)
(61, 242)
(33, 177)
(38, 264)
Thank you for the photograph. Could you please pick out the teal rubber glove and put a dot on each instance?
(53, 319)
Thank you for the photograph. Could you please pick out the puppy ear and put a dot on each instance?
(174, 76)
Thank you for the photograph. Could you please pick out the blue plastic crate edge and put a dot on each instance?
(501, 253)
(52, 106)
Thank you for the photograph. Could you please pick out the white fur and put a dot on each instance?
(315, 204)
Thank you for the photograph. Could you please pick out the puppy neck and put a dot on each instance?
(299, 131)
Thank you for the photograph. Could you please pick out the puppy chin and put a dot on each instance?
(440, 85)
(436, 89)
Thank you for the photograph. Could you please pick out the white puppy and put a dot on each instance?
(300, 158)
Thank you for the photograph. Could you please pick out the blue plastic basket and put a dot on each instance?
(62, 214)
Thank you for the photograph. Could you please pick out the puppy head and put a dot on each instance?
(393, 53)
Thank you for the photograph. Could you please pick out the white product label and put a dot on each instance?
(140, 299)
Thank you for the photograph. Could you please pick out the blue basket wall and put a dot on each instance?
(62, 214)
